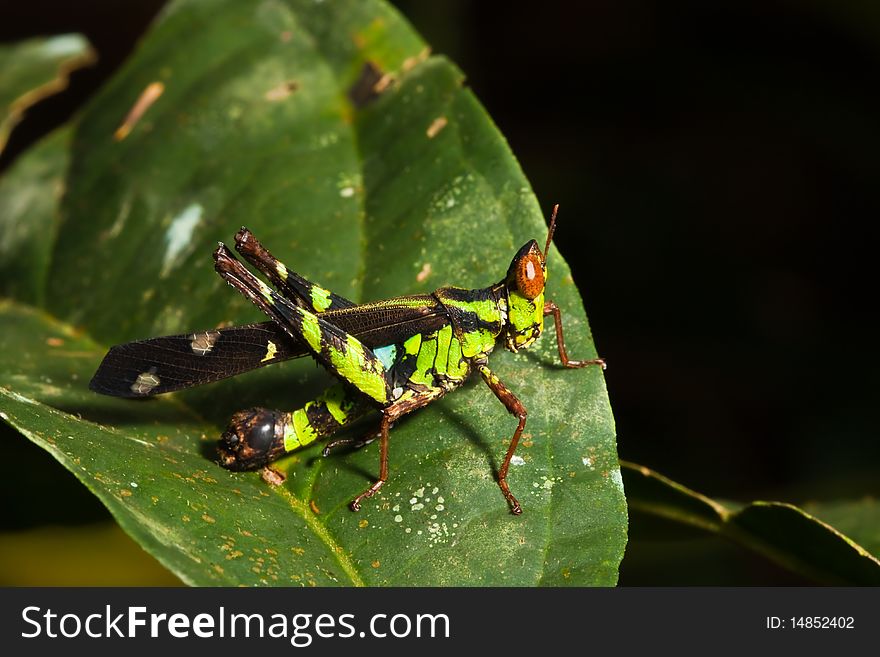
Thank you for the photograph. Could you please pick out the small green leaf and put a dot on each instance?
(782, 532)
(364, 164)
(35, 69)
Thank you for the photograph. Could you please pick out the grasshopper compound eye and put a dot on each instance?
(530, 275)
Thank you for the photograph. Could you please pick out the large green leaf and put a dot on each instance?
(373, 179)
(34, 69)
(788, 535)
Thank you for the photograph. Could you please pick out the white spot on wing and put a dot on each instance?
(179, 236)
(145, 382)
(202, 343)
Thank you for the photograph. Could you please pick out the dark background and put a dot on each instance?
(718, 174)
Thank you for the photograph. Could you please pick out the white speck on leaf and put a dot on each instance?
(179, 236)
(517, 460)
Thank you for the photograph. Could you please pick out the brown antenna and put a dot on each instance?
(550, 232)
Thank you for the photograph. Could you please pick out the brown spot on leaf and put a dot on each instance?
(54, 342)
(281, 91)
(148, 96)
(314, 507)
(436, 126)
(410, 62)
(370, 83)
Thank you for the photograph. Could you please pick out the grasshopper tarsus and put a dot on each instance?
(272, 476)
(515, 507)
(576, 364)
(372, 490)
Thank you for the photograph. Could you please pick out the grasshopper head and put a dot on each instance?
(525, 282)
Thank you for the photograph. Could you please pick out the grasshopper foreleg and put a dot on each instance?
(551, 308)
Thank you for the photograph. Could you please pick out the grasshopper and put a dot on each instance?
(395, 355)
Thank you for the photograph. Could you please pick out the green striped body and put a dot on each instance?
(422, 366)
